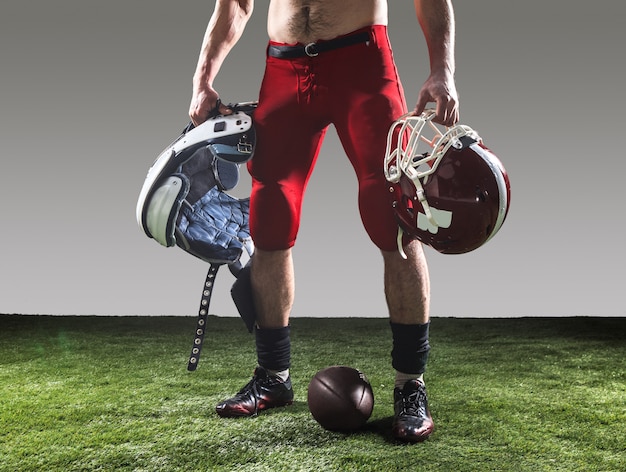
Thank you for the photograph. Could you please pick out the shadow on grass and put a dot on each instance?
(382, 428)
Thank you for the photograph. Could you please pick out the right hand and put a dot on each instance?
(203, 102)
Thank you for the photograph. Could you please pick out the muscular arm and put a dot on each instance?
(223, 31)
(436, 18)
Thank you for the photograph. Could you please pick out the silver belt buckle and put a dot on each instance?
(310, 51)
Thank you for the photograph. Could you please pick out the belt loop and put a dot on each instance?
(372, 33)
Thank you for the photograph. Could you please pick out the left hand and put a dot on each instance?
(440, 89)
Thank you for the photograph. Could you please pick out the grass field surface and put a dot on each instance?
(113, 394)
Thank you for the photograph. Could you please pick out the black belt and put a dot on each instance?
(313, 49)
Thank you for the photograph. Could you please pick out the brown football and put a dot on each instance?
(340, 398)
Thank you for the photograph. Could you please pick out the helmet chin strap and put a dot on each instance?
(430, 217)
(399, 240)
(421, 196)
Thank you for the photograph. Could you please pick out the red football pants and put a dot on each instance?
(357, 89)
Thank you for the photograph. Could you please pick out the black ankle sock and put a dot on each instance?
(273, 347)
(410, 347)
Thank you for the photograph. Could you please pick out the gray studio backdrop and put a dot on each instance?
(91, 91)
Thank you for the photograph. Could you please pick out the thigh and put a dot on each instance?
(369, 100)
(372, 102)
(288, 142)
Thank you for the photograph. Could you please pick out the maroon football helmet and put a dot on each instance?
(455, 195)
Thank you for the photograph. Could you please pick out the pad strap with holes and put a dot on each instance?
(203, 315)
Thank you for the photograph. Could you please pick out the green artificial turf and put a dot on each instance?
(113, 394)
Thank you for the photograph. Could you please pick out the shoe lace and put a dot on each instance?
(250, 387)
(254, 386)
(414, 404)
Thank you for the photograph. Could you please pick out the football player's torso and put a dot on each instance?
(305, 21)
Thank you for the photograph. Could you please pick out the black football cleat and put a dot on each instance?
(262, 392)
(412, 421)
